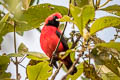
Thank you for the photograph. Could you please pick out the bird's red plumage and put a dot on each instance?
(49, 40)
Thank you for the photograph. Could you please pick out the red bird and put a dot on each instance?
(50, 35)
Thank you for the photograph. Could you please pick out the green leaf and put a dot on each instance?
(35, 15)
(69, 44)
(72, 56)
(81, 3)
(36, 56)
(110, 76)
(66, 18)
(76, 75)
(63, 55)
(21, 33)
(26, 4)
(22, 48)
(3, 22)
(114, 9)
(115, 45)
(104, 58)
(79, 15)
(11, 5)
(4, 62)
(41, 71)
(1, 39)
(84, 78)
(104, 22)
(7, 28)
(14, 55)
(5, 76)
(61, 27)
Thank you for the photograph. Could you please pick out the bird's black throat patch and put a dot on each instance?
(53, 22)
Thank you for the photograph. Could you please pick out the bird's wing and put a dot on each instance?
(64, 42)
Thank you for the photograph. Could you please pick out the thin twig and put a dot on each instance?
(22, 58)
(22, 66)
(12, 60)
(16, 63)
(98, 3)
(75, 43)
(57, 71)
(72, 68)
(104, 3)
(54, 53)
(89, 57)
(89, 62)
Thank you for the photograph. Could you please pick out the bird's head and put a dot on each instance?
(52, 20)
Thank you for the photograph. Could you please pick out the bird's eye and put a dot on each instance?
(55, 17)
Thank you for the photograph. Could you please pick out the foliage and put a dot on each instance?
(4, 62)
(84, 44)
(39, 71)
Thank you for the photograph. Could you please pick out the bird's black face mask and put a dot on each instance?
(53, 22)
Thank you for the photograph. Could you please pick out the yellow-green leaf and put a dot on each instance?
(14, 55)
(36, 56)
(82, 15)
(81, 3)
(115, 45)
(41, 71)
(35, 15)
(63, 55)
(66, 18)
(114, 9)
(26, 4)
(22, 48)
(3, 22)
(110, 76)
(104, 22)
(4, 62)
(104, 58)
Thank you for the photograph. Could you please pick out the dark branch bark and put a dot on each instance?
(57, 71)
(54, 53)
(16, 63)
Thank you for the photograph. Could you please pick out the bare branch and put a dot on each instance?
(72, 68)
(54, 53)
(16, 63)
(76, 42)
(57, 71)
(104, 3)
(22, 58)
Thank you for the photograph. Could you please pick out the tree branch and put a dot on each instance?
(104, 3)
(75, 43)
(72, 68)
(16, 63)
(54, 53)
(57, 71)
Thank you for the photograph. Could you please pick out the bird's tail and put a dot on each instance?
(68, 63)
